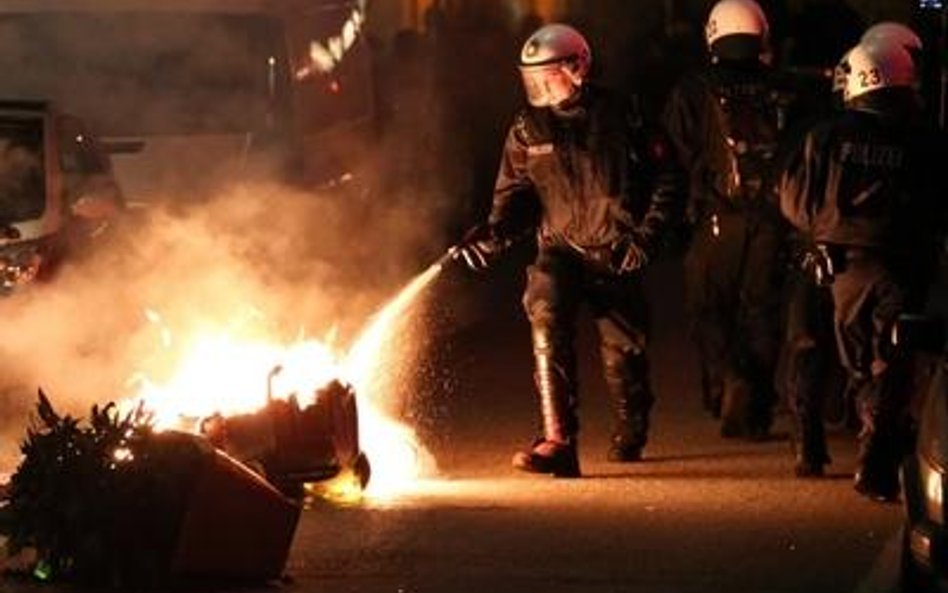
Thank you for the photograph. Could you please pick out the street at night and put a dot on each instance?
(700, 513)
(473, 296)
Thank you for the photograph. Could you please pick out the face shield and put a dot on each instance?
(548, 85)
(840, 74)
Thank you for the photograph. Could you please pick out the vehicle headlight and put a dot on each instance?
(933, 481)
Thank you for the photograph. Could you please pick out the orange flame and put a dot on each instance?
(224, 373)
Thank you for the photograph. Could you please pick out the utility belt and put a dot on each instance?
(600, 258)
(716, 222)
(818, 265)
(824, 261)
(714, 208)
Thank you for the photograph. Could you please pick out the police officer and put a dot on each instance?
(861, 188)
(809, 376)
(725, 123)
(882, 33)
(579, 168)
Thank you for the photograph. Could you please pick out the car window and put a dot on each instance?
(22, 170)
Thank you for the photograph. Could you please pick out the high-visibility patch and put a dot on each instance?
(540, 149)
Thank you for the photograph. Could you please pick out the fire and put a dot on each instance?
(227, 374)
(224, 372)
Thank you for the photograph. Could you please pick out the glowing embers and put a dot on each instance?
(220, 372)
(274, 396)
(284, 405)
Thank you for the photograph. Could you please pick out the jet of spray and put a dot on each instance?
(364, 353)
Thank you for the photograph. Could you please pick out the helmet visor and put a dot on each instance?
(840, 74)
(547, 85)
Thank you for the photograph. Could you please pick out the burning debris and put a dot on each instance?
(129, 498)
(293, 446)
(112, 501)
(157, 489)
(115, 501)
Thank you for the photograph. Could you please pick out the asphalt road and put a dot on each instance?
(698, 514)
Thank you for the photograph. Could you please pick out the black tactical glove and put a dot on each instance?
(628, 255)
(479, 248)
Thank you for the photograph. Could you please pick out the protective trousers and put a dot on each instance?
(732, 283)
(868, 296)
(558, 283)
(806, 376)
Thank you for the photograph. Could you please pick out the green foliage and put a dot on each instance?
(93, 497)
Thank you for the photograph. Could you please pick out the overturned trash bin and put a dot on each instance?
(292, 445)
(235, 524)
(110, 502)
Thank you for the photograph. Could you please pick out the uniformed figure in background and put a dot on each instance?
(580, 169)
(862, 188)
(809, 362)
(726, 124)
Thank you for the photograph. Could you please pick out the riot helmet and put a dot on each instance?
(737, 29)
(871, 67)
(554, 63)
(891, 32)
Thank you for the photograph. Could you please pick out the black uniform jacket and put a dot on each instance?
(867, 180)
(694, 130)
(588, 177)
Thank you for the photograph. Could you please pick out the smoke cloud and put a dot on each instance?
(259, 259)
(256, 260)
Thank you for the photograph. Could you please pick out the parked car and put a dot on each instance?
(56, 190)
(925, 471)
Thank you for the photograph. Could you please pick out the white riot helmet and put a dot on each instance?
(873, 66)
(893, 32)
(890, 32)
(554, 63)
(736, 17)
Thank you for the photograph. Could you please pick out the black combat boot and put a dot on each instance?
(712, 393)
(883, 439)
(878, 475)
(805, 384)
(555, 452)
(549, 457)
(811, 454)
(747, 408)
(735, 407)
(627, 380)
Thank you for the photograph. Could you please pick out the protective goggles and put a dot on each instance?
(548, 85)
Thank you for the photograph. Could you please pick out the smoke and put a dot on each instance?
(255, 260)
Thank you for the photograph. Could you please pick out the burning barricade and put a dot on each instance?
(204, 474)
(113, 501)
(292, 446)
